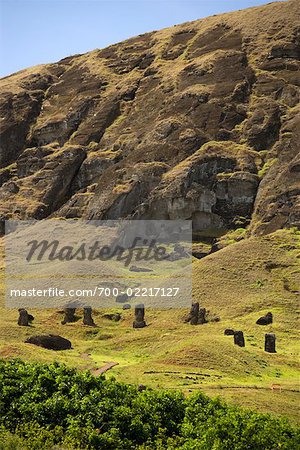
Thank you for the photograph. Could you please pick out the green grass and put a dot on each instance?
(262, 172)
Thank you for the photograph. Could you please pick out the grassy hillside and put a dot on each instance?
(237, 285)
(59, 408)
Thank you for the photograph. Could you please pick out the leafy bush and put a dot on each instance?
(53, 406)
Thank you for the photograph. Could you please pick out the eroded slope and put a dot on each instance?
(198, 121)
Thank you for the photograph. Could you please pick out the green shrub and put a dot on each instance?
(56, 407)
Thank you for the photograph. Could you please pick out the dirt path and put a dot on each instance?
(104, 369)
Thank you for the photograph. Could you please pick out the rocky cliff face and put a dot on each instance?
(201, 121)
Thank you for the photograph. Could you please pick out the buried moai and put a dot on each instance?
(139, 319)
(239, 338)
(229, 332)
(87, 317)
(25, 318)
(270, 341)
(69, 316)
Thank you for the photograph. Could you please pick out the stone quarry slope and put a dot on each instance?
(201, 121)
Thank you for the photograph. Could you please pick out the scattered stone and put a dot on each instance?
(229, 332)
(139, 312)
(239, 338)
(122, 298)
(194, 313)
(23, 320)
(50, 341)
(139, 269)
(115, 317)
(270, 341)
(265, 320)
(127, 306)
(69, 316)
(87, 317)
(173, 256)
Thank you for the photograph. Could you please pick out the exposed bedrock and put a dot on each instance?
(199, 121)
(214, 187)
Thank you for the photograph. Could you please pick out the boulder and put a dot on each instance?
(193, 314)
(50, 341)
(265, 320)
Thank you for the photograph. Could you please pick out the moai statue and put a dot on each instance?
(87, 317)
(30, 318)
(23, 320)
(69, 315)
(193, 314)
(269, 317)
(270, 340)
(239, 338)
(139, 312)
(180, 250)
(202, 316)
(265, 320)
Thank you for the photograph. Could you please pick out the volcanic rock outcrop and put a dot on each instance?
(51, 342)
(199, 121)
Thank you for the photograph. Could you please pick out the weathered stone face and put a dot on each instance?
(200, 121)
(270, 341)
(87, 317)
(139, 316)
